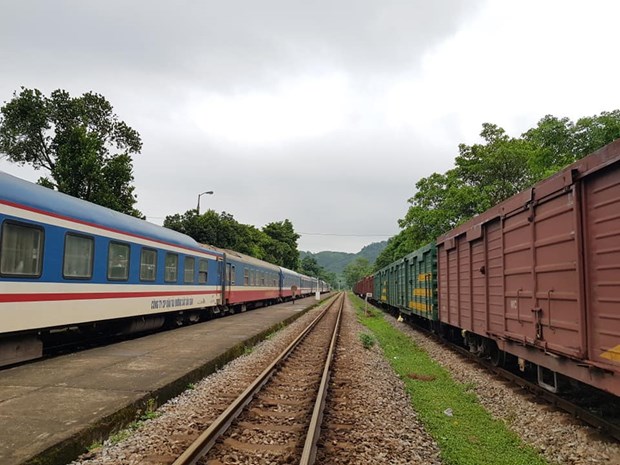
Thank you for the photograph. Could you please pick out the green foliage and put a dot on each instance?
(282, 248)
(486, 174)
(397, 247)
(560, 142)
(470, 435)
(309, 266)
(121, 435)
(95, 446)
(367, 340)
(79, 140)
(276, 243)
(356, 270)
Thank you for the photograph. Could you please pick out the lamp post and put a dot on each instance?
(204, 193)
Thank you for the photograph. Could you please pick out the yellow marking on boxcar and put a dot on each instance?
(420, 307)
(612, 354)
(422, 292)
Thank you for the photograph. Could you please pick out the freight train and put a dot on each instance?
(534, 281)
(67, 264)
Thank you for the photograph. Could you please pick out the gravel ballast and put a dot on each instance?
(557, 435)
(381, 425)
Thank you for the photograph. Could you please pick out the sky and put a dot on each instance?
(323, 112)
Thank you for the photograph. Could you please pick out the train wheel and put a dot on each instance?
(497, 356)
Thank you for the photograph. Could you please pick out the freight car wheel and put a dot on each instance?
(497, 357)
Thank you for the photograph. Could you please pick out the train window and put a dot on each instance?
(78, 258)
(148, 265)
(189, 267)
(233, 275)
(246, 277)
(21, 250)
(118, 261)
(172, 264)
(203, 266)
(262, 278)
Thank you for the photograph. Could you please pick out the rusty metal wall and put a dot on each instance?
(602, 246)
(540, 272)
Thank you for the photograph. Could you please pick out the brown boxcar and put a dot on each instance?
(539, 274)
(364, 286)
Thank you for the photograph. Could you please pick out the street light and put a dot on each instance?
(204, 193)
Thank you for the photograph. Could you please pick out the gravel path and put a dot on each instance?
(557, 435)
(370, 403)
(369, 414)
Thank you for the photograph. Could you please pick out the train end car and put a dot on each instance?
(65, 262)
(537, 276)
(364, 287)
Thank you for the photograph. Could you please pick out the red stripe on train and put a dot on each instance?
(95, 295)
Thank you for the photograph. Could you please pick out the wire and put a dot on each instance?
(345, 235)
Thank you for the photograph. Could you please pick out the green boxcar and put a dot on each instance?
(410, 284)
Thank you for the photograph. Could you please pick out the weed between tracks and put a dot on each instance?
(150, 413)
(367, 340)
(450, 412)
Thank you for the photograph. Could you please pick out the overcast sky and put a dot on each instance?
(323, 112)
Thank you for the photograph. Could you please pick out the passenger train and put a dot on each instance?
(68, 264)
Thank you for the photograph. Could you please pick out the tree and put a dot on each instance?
(309, 266)
(486, 174)
(398, 246)
(356, 270)
(494, 170)
(559, 141)
(282, 249)
(219, 230)
(276, 243)
(79, 140)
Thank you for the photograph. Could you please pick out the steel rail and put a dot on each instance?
(207, 439)
(308, 455)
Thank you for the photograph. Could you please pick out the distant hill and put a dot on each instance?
(337, 261)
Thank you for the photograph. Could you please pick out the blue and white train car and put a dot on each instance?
(67, 262)
(290, 284)
(249, 282)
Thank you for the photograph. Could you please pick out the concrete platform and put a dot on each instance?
(51, 410)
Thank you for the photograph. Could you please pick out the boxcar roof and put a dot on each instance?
(41, 199)
(605, 156)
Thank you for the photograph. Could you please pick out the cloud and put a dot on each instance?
(323, 112)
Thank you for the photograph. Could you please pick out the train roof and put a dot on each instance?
(37, 198)
(243, 257)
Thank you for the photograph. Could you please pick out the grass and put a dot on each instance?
(465, 432)
(367, 340)
(150, 413)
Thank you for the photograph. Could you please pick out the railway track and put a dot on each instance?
(279, 414)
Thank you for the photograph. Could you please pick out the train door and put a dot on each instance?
(229, 281)
(402, 284)
(221, 281)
